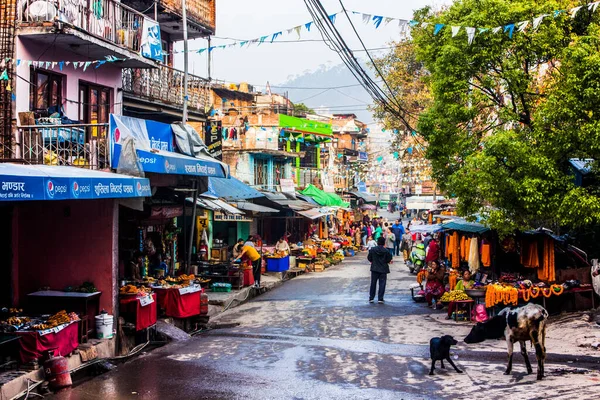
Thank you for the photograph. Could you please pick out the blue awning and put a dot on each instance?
(155, 149)
(231, 189)
(47, 182)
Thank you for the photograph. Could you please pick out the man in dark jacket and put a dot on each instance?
(380, 259)
(398, 230)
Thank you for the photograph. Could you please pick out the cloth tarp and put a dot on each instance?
(323, 198)
(34, 346)
(369, 198)
(462, 225)
(144, 316)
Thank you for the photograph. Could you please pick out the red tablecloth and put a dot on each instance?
(144, 316)
(248, 277)
(178, 305)
(33, 345)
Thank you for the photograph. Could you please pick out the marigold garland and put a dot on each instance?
(560, 290)
(537, 291)
(526, 295)
(546, 292)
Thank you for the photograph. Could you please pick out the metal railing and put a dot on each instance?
(78, 145)
(202, 11)
(165, 84)
(106, 19)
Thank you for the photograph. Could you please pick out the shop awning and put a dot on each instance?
(462, 225)
(48, 182)
(255, 207)
(308, 199)
(155, 151)
(324, 198)
(368, 197)
(426, 228)
(315, 213)
(281, 200)
(215, 205)
(231, 189)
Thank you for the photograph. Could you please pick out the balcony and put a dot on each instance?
(80, 145)
(161, 90)
(201, 16)
(257, 140)
(90, 30)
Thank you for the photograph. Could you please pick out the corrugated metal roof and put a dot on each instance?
(231, 189)
(582, 165)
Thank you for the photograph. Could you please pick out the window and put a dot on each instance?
(261, 172)
(46, 91)
(94, 106)
(310, 159)
(279, 171)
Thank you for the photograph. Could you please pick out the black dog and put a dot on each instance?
(440, 350)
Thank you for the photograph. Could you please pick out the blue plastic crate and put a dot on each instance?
(278, 264)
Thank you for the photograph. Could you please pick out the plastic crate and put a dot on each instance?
(278, 264)
(221, 287)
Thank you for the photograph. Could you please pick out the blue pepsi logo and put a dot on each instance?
(75, 189)
(50, 189)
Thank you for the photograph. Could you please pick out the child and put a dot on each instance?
(371, 243)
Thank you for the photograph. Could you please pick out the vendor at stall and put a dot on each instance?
(237, 248)
(434, 288)
(135, 266)
(282, 247)
(465, 283)
(256, 260)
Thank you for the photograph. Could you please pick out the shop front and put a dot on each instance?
(61, 226)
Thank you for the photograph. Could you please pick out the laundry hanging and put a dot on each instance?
(529, 254)
(486, 256)
(547, 272)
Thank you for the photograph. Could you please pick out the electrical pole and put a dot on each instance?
(185, 61)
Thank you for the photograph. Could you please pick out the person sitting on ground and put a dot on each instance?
(465, 283)
(380, 259)
(371, 243)
(282, 246)
(434, 288)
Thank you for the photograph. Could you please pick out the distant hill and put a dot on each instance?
(355, 98)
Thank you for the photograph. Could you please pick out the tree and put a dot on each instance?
(301, 109)
(507, 113)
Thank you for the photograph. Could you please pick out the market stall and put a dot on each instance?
(140, 310)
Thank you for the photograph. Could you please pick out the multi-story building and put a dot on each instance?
(350, 149)
(159, 92)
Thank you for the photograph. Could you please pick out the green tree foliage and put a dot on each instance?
(301, 109)
(507, 113)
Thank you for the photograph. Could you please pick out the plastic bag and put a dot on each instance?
(479, 313)
(128, 159)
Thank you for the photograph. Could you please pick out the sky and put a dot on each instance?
(280, 62)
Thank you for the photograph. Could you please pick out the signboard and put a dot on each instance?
(363, 156)
(214, 140)
(190, 289)
(295, 124)
(218, 216)
(166, 212)
(362, 187)
(151, 44)
(418, 189)
(287, 185)
(146, 300)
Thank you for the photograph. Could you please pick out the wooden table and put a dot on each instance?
(52, 301)
(468, 303)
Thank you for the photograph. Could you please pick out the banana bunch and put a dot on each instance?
(454, 295)
(59, 318)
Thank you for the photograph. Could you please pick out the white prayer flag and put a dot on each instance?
(470, 34)
(366, 18)
(538, 20)
(48, 64)
(298, 29)
(574, 11)
(53, 64)
(387, 20)
(496, 29)
(75, 64)
(455, 30)
(521, 26)
(425, 24)
(593, 6)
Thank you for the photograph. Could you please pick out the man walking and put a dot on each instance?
(398, 230)
(390, 241)
(380, 259)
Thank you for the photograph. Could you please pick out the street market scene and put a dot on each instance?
(309, 199)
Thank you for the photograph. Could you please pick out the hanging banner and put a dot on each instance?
(214, 139)
(151, 44)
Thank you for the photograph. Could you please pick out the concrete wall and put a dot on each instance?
(106, 75)
(65, 243)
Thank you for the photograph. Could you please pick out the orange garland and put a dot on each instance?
(452, 281)
(546, 292)
(526, 294)
(557, 292)
(537, 293)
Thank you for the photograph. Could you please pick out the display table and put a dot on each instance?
(33, 345)
(143, 315)
(463, 303)
(52, 301)
(178, 305)
(248, 277)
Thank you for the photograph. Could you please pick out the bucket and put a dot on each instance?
(104, 326)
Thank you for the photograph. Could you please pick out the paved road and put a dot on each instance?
(316, 337)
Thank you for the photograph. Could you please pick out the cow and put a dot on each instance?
(522, 324)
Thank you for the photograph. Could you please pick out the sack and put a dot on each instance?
(479, 313)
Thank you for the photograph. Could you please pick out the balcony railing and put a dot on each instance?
(80, 145)
(106, 19)
(165, 84)
(201, 11)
